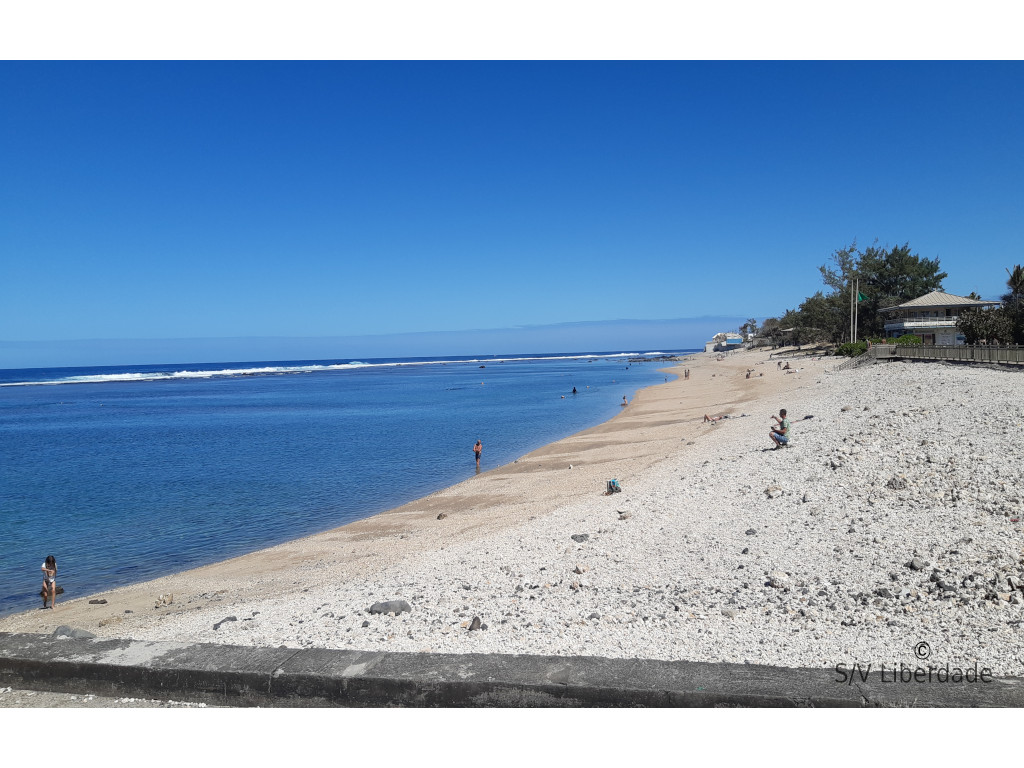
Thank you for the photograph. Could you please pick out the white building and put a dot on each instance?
(932, 317)
(723, 342)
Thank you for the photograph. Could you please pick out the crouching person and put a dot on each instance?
(780, 433)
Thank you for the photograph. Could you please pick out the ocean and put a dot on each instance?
(126, 474)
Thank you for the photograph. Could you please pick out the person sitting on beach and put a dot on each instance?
(780, 434)
(50, 581)
(786, 366)
(715, 418)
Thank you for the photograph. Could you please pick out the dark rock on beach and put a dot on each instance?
(579, 538)
(391, 606)
(225, 621)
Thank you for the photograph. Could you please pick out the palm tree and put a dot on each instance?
(1015, 282)
(1016, 285)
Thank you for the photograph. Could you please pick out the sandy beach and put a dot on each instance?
(888, 523)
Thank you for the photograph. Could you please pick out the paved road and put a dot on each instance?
(13, 698)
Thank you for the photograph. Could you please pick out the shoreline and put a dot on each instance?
(880, 531)
(645, 432)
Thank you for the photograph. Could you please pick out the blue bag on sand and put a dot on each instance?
(613, 486)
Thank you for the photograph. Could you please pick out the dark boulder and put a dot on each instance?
(391, 606)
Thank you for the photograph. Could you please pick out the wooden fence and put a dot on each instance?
(965, 353)
(1012, 355)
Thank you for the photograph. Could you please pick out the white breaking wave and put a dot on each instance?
(103, 378)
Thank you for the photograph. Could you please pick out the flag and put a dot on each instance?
(861, 297)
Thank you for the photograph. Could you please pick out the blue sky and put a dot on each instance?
(287, 200)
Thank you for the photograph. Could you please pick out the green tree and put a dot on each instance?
(1012, 302)
(822, 318)
(887, 277)
(748, 327)
(891, 277)
(771, 329)
(1015, 283)
(839, 279)
(989, 325)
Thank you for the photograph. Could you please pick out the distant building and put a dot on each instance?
(932, 317)
(723, 342)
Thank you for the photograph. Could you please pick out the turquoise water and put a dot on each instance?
(128, 474)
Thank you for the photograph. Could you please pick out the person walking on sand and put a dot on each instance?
(50, 581)
(780, 433)
(477, 449)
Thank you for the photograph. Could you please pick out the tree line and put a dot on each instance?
(884, 277)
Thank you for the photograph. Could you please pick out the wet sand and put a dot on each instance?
(661, 422)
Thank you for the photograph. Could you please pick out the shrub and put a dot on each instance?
(852, 350)
(908, 340)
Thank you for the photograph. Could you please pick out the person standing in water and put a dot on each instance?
(50, 581)
(477, 450)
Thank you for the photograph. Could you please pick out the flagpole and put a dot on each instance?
(856, 309)
(851, 310)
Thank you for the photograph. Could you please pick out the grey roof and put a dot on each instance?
(937, 299)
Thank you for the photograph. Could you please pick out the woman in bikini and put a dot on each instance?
(50, 581)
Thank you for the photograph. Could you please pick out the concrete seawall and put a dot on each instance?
(282, 677)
